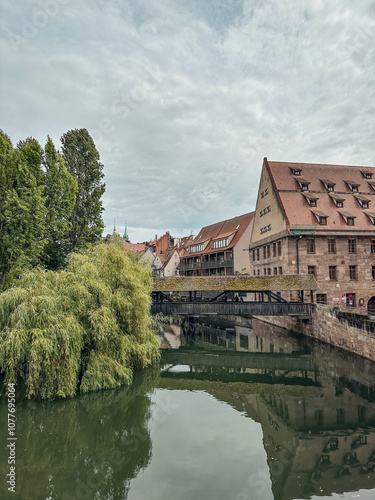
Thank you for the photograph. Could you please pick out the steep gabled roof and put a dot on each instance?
(296, 208)
(220, 230)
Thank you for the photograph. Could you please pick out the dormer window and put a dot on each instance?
(337, 200)
(329, 185)
(363, 201)
(366, 175)
(348, 217)
(296, 171)
(353, 186)
(304, 184)
(311, 199)
(320, 217)
(372, 184)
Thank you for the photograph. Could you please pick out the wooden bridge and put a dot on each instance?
(178, 295)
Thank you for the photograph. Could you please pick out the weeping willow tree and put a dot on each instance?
(84, 328)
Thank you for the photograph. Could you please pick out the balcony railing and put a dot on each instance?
(210, 264)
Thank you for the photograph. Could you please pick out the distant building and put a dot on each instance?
(220, 248)
(318, 219)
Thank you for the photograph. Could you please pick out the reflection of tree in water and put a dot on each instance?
(82, 447)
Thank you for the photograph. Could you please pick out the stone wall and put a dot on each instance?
(349, 331)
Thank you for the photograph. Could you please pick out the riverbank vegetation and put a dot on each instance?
(80, 329)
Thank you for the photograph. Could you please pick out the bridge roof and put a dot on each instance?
(235, 283)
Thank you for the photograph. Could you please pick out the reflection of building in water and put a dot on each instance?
(318, 442)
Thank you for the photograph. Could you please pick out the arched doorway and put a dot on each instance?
(371, 307)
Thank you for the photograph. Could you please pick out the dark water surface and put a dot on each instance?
(232, 413)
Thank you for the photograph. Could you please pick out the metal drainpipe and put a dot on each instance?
(299, 237)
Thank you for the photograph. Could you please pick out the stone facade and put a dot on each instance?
(318, 219)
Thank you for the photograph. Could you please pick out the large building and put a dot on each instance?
(219, 249)
(318, 219)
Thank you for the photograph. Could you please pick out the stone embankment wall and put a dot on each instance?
(349, 331)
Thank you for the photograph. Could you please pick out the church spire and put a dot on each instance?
(126, 237)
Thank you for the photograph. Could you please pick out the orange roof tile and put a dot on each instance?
(296, 207)
(135, 247)
(223, 229)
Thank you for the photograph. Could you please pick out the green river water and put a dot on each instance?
(232, 412)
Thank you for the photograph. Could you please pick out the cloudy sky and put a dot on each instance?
(184, 98)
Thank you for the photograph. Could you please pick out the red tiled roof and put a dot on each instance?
(296, 208)
(223, 229)
(135, 247)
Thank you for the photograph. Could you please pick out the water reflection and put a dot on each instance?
(82, 448)
(316, 404)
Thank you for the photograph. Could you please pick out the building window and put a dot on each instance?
(275, 270)
(353, 272)
(265, 211)
(296, 171)
(279, 248)
(258, 272)
(253, 255)
(311, 270)
(268, 251)
(373, 272)
(257, 253)
(274, 249)
(265, 271)
(331, 246)
(321, 298)
(350, 300)
(264, 193)
(319, 417)
(340, 415)
(265, 229)
(322, 220)
(280, 271)
(310, 245)
(264, 252)
(332, 272)
(351, 246)
(269, 271)
(220, 243)
(350, 221)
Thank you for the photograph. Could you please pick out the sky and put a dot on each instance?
(184, 98)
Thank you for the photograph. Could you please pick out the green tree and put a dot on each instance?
(60, 192)
(32, 154)
(86, 327)
(22, 210)
(83, 162)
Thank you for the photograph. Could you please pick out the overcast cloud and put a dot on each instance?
(184, 98)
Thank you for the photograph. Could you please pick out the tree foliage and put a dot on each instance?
(22, 208)
(60, 193)
(83, 162)
(84, 328)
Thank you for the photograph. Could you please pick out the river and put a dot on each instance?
(232, 412)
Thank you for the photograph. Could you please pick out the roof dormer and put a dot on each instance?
(337, 200)
(296, 170)
(328, 184)
(348, 217)
(353, 186)
(372, 184)
(320, 217)
(371, 216)
(362, 200)
(366, 174)
(303, 184)
(311, 199)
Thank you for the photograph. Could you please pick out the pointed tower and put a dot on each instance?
(126, 237)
